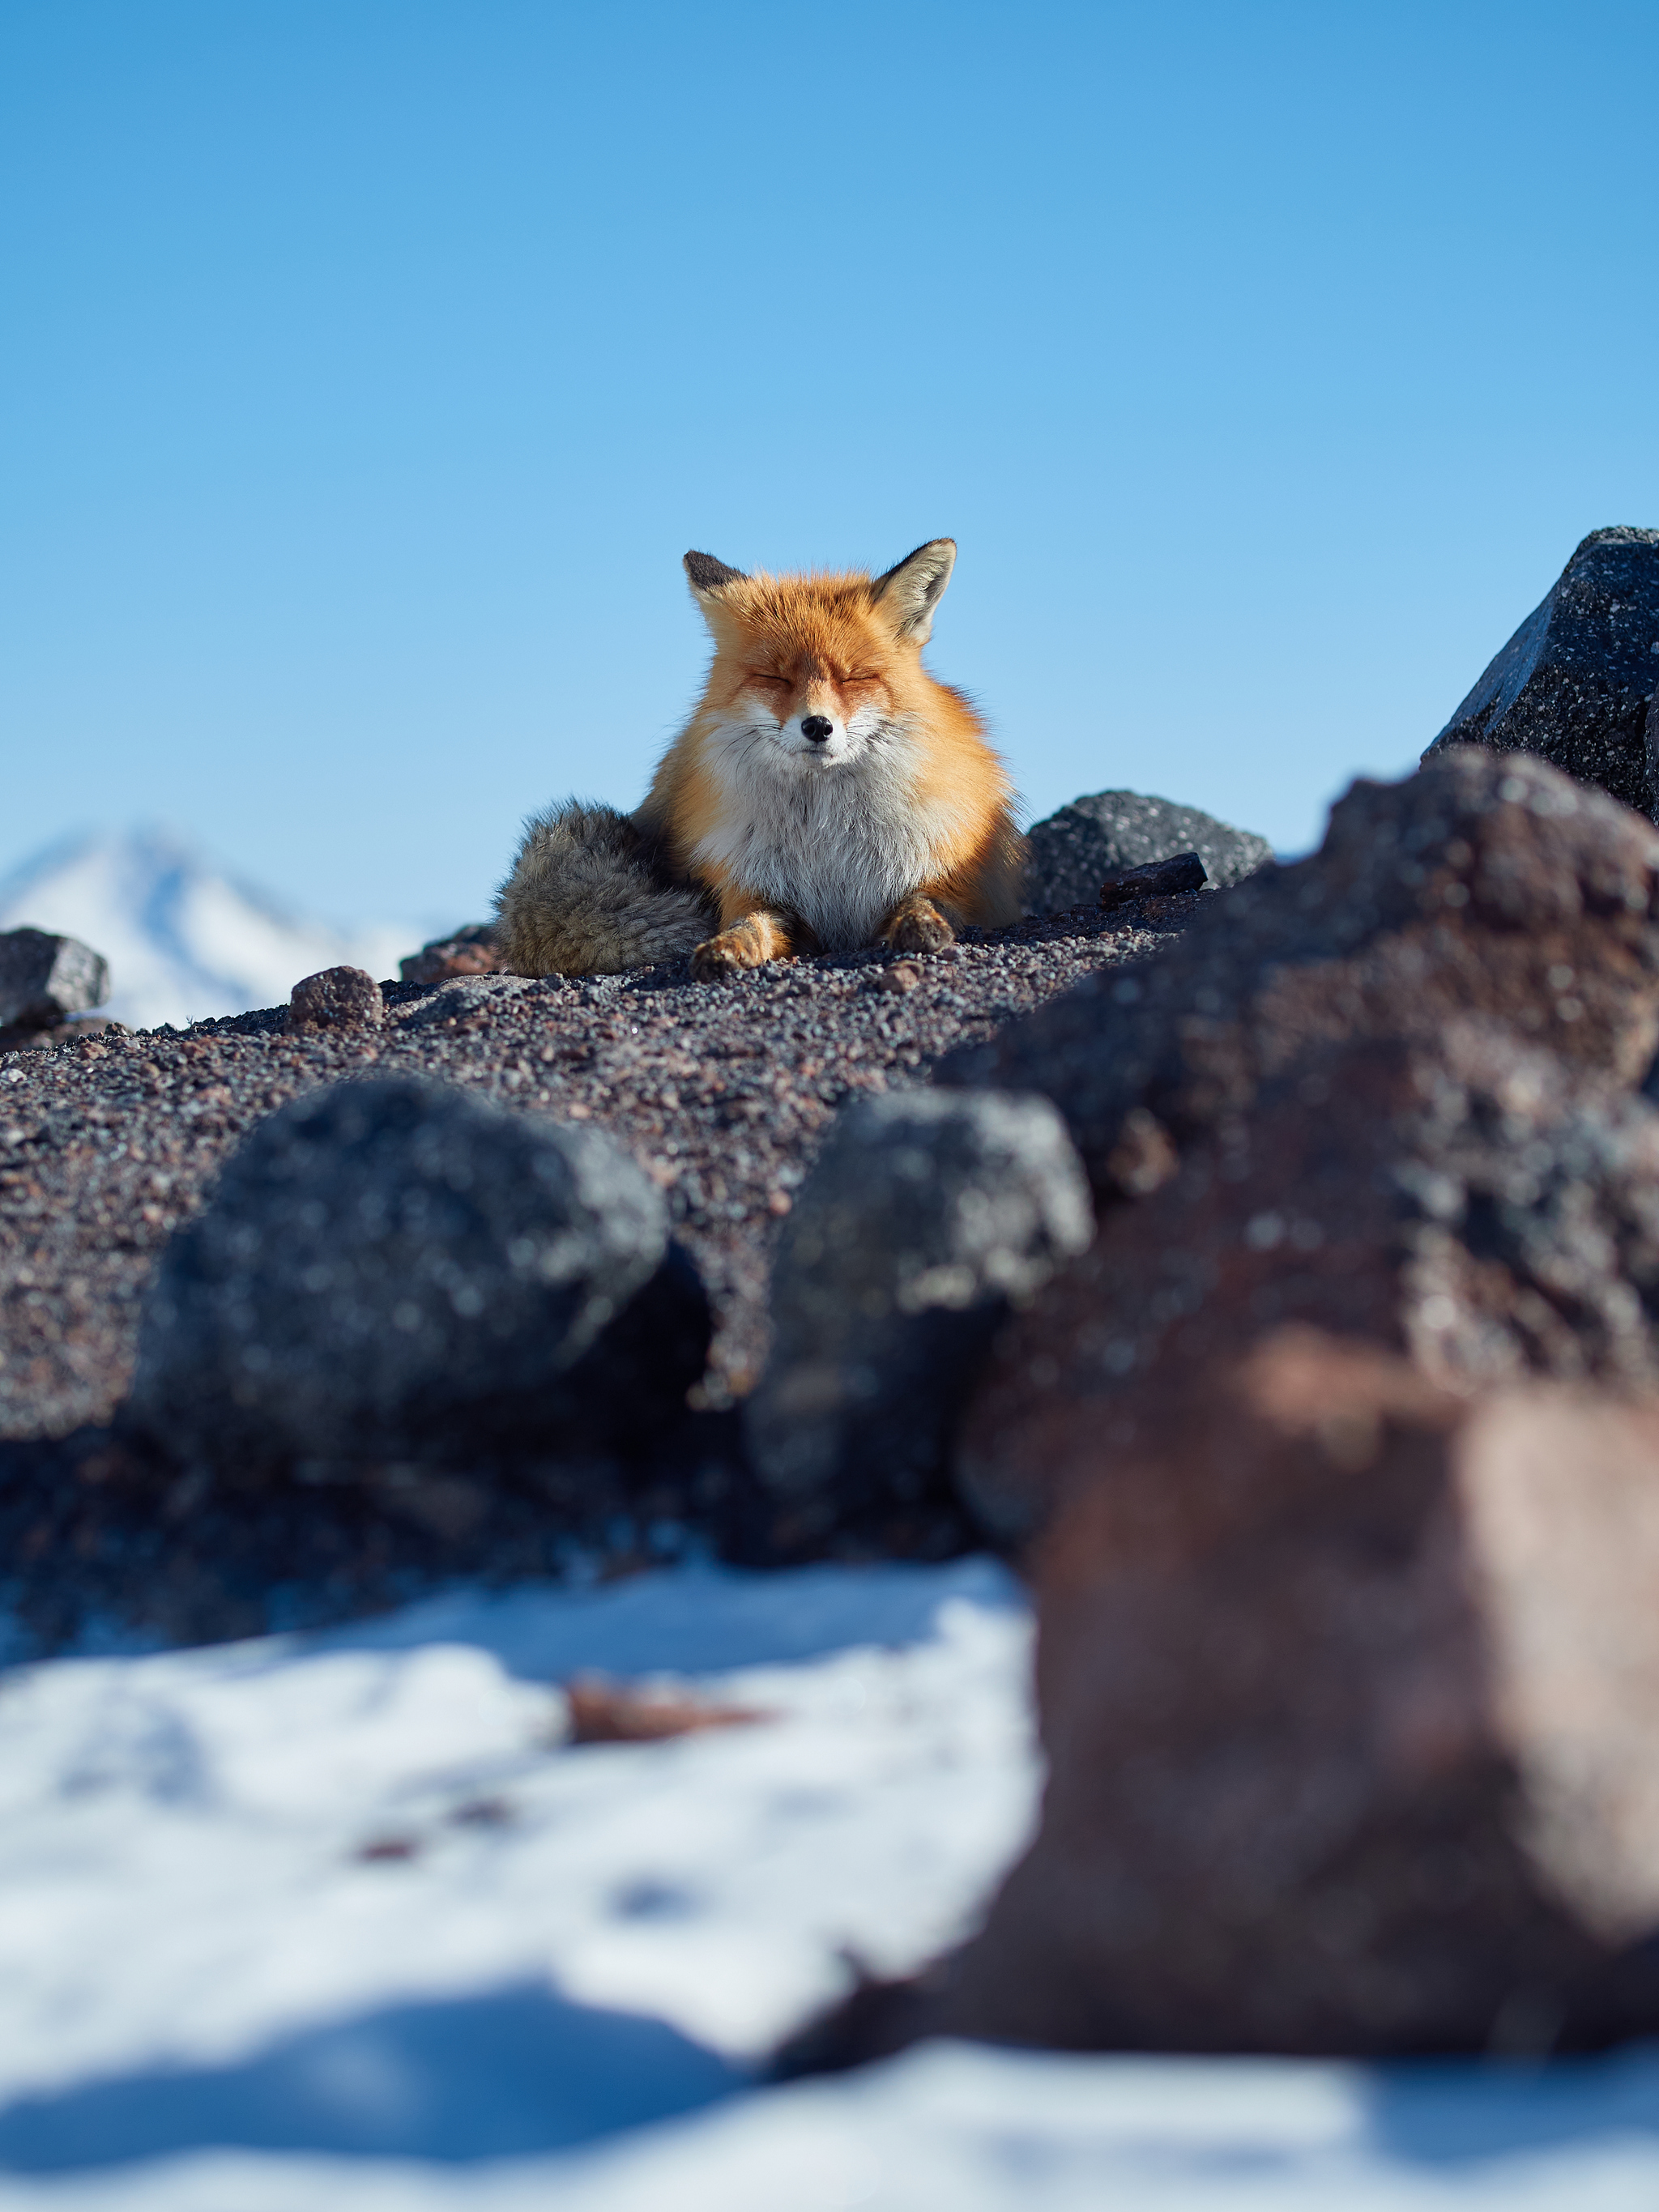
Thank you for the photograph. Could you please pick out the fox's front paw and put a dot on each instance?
(920, 927)
(717, 959)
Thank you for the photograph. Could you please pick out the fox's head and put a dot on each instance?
(811, 672)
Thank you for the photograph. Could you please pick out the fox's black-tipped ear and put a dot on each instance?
(708, 575)
(914, 586)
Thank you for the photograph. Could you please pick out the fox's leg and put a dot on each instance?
(761, 935)
(915, 925)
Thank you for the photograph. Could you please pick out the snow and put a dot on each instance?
(183, 940)
(346, 1920)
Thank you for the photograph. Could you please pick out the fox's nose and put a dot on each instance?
(817, 728)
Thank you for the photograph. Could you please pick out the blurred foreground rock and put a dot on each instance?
(1073, 851)
(1471, 1205)
(1578, 682)
(1347, 1685)
(927, 1216)
(1487, 885)
(389, 1271)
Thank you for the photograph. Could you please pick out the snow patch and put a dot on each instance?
(344, 1920)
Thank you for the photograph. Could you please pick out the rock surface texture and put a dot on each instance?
(391, 1271)
(1471, 1204)
(1344, 1683)
(336, 998)
(926, 1217)
(1073, 851)
(469, 952)
(1577, 683)
(43, 979)
(1487, 885)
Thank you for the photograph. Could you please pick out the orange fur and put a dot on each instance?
(937, 827)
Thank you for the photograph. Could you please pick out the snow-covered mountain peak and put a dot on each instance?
(184, 939)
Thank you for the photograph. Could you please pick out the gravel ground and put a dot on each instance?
(722, 1092)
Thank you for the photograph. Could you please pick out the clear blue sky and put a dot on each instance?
(368, 365)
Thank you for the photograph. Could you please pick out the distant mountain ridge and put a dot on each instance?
(185, 939)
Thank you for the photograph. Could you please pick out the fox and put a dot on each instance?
(826, 794)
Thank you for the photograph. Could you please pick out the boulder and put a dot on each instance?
(336, 999)
(1473, 1204)
(926, 1216)
(1485, 885)
(44, 978)
(1578, 681)
(389, 1270)
(1073, 851)
(1346, 1684)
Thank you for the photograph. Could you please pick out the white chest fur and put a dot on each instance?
(838, 842)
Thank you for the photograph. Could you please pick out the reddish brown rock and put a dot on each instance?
(602, 1711)
(1347, 1684)
(1488, 885)
(470, 952)
(336, 999)
(1472, 1206)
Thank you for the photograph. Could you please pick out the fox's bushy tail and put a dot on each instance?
(587, 896)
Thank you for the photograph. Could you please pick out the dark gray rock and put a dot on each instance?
(463, 995)
(1578, 681)
(391, 1271)
(1183, 871)
(1073, 851)
(43, 978)
(926, 1214)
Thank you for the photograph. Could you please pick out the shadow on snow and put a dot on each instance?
(519, 2071)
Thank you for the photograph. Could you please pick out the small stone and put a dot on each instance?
(900, 977)
(602, 1711)
(336, 999)
(1183, 871)
(44, 978)
(1076, 850)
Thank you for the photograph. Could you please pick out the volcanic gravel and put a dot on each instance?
(720, 1091)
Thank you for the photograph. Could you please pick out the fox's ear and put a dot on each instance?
(914, 586)
(709, 577)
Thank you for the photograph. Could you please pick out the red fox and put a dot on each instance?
(826, 793)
